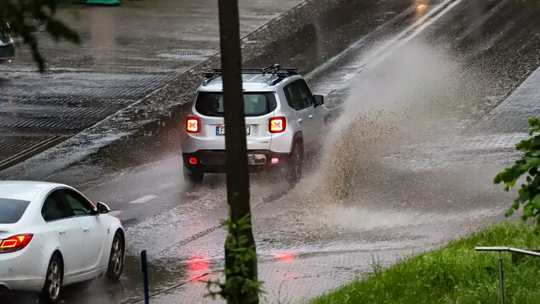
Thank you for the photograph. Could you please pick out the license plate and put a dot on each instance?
(221, 130)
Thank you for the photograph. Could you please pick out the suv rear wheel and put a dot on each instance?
(294, 169)
(193, 177)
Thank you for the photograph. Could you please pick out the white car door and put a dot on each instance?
(68, 230)
(320, 114)
(308, 104)
(93, 231)
(298, 99)
(305, 118)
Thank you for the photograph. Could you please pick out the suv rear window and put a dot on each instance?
(255, 104)
(12, 210)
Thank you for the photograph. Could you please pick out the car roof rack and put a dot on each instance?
(274, 69)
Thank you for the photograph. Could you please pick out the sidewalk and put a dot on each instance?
(512, 115)
(289, 279)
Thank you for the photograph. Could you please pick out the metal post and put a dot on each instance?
(144, 267)
(501, 280)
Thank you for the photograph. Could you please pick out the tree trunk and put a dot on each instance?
(238, 196)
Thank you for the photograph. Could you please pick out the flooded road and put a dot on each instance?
(409, 163)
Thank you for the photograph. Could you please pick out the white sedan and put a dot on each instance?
(52, 236)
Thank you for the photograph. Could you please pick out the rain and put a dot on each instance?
(428, 100)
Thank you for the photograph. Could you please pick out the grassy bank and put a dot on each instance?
(455, 273)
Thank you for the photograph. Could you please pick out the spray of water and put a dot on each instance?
(408, 98)
(389, 104)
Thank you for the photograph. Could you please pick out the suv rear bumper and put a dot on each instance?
(213, 161)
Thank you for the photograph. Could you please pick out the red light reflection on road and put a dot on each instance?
(283, 256)
(198, 265)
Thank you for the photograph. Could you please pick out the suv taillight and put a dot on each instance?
(15, 243)
(277, 124)
(193, 125)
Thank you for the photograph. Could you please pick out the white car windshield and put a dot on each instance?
(11, 210)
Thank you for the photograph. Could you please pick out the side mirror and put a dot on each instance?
(319, 100)
(103, 208)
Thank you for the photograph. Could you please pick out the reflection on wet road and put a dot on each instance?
(401, 172)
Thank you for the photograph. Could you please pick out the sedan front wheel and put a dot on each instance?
(116, 260)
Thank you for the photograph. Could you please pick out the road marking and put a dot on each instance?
(144, 199)
(398, 41)
(390, 46)
(115, 212)
(421, 26)
(359, 43)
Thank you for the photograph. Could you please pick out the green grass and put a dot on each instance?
(455, 273)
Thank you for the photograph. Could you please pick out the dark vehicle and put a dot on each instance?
(7, 45)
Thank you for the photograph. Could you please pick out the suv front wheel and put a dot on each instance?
(193, 177)
(294, 169)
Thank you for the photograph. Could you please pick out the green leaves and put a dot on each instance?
(526, 166)
(535, 202)
(24, 16)
(238, 288)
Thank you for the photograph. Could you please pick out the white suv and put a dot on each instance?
(283, 120)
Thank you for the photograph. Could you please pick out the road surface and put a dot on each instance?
(127, 53)
(427, 120)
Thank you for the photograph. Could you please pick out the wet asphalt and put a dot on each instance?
(409, 166)
(127, 52)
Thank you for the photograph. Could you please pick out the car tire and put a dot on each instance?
(51, 291)
(193, 177)
(116, 258)
(294, 169)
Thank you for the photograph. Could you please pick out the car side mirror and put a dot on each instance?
(103, 208)
(319, 100)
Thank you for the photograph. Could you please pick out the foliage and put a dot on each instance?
(455, 273)
(238, 284)
(527, 165)
(23, 16)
